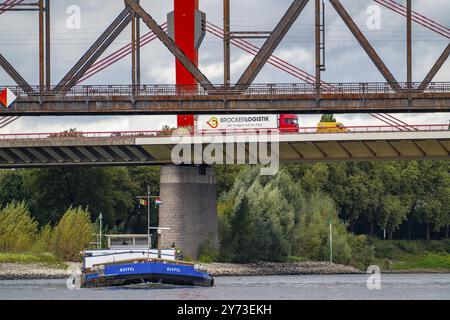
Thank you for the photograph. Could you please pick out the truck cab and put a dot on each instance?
(288, 123)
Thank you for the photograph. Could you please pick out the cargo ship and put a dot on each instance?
(130, 263)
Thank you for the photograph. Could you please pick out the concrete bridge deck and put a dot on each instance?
(151, 148)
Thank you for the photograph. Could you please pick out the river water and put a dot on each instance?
(305, 287)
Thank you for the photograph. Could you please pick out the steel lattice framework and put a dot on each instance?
(66, 97)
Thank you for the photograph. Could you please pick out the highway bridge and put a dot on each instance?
(131, 148)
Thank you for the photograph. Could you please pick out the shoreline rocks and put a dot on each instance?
(273, 268)
(17, 271)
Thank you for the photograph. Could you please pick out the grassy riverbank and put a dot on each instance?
(389, 255)
(413, 256)
(430, 262)
(44, 259)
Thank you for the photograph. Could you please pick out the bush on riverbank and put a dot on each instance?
(207, 252)
(20, 234)
(273, 219)
(18, 230)
(72, 234)
(312, 238)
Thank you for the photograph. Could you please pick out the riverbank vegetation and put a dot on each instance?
(45, 259)
(23, 241)
(285, 217)
(419, 255)
(272, 219)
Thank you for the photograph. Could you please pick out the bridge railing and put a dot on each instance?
(167, 133)
(254, 89)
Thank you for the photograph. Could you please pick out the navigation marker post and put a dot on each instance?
(149, 236)
(7, 97)
(331, 241)
(101, 220)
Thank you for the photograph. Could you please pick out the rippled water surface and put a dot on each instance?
(345, 287)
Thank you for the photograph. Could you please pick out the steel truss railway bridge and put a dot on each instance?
(196, 94)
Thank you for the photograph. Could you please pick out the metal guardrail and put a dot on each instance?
(161, 134)
(254, 89)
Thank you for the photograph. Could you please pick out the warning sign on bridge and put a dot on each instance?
(7, 98)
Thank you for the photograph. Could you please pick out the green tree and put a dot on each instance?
(72, 234)
(434, 201)
(315, 178)
(243, 233)
(225, 177)
(392, 214)
(105, 190)
(328, 118)
(312, 236)
(18, 230)
(257, 217)
(44, 240)
(12, 187)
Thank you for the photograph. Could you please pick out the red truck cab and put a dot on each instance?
(185, 121)
(288, 123)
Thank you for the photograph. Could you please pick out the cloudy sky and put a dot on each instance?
(345, 60)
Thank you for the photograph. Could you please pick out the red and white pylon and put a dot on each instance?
(7, 97)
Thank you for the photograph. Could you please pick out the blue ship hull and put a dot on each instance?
(146, 272)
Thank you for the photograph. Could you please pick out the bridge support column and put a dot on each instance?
(189, 207)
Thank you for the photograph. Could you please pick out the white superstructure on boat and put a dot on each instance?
(122, 248)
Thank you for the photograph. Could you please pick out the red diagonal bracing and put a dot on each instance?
(8, 4)
(390, 4)
(94, 52)
(271, 44)
(242, 44)
(118, 55)
(416, 17)
(294, 71)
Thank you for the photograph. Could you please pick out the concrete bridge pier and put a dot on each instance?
(189, 207)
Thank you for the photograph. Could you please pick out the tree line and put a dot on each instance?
(48, 193)
(288, 215)
(408, 199)
(279, 216)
